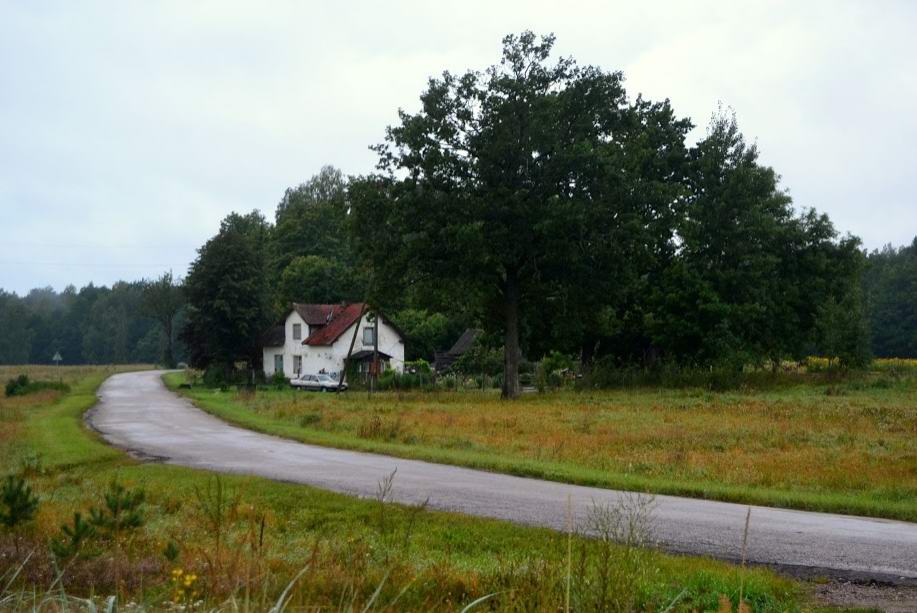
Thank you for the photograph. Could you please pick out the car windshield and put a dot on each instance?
(326, 378)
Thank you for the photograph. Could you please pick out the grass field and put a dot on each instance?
(235, 542)
(807, 442)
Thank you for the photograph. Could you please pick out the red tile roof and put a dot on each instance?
(317, 314)
(342, 318)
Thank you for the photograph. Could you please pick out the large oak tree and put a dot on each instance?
(517, 185)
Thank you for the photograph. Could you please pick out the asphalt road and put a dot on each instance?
(137, 413)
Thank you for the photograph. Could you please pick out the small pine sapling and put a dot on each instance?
(74, 537)
(17, 503)
(171, 552)
(122, 512)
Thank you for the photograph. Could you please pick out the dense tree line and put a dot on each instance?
(246, 276)
(890, 285)
(577, 219)
(538, 202)
(92, 325)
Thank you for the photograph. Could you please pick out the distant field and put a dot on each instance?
(244, 546)
(18, 431)
(66, 374)
(846, 446)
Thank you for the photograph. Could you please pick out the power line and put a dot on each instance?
(82, 265)
(97, 246)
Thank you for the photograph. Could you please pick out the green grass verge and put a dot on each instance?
(439, 559)
(59, 436)
(225, 406)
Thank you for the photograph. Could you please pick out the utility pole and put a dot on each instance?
(375, 347)
(353, 339)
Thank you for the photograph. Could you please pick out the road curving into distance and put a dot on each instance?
(137, 413)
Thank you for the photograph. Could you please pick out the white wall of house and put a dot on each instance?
(291, 347)
(329, 358)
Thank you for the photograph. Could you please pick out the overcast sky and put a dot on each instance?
(129, 129)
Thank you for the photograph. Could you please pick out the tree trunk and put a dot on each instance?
(511, 339)
(587, 354)
(168, 357)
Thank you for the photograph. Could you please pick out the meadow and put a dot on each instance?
(236, 543)
(808, 440)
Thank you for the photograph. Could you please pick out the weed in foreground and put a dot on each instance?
(292, 547)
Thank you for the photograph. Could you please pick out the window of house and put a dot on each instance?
(297, 332)
(297, 364)
(278, 363)
(368, 337)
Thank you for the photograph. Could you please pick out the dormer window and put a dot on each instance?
(297, 332)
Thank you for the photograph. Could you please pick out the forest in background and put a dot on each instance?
(108, 325)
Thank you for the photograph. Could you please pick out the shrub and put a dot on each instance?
(193, 377)
(550, 372)
(14, 386)
(279, 380)
(480, 359)
(215, 376)
(418, 367)
(557, 361)
(607, 373)
(393, 380)
(482, 382)
(541, 379)
(21, 385)
(386, 380)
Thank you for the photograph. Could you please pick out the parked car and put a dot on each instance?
(318, 383)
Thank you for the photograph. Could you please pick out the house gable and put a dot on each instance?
(325, 340)
(340, 323)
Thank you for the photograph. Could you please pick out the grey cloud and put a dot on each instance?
(129, 130)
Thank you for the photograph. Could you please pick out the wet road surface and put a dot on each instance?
(137, 413)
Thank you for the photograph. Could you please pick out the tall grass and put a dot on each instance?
(819, 443)
(244, 544)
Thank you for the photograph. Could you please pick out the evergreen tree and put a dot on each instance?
(890, 285)
(162, 299)
(227, 295)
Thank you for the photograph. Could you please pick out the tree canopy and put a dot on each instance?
(92, 325)
(749, 273)
(890, 287)
(228, 294)
(163, 298)
(520, 184)
(539, 202)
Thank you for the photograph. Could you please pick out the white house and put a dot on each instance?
(316, 338)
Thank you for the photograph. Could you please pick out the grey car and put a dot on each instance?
(318, 383)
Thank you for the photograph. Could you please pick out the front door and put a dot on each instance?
(278, 363)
